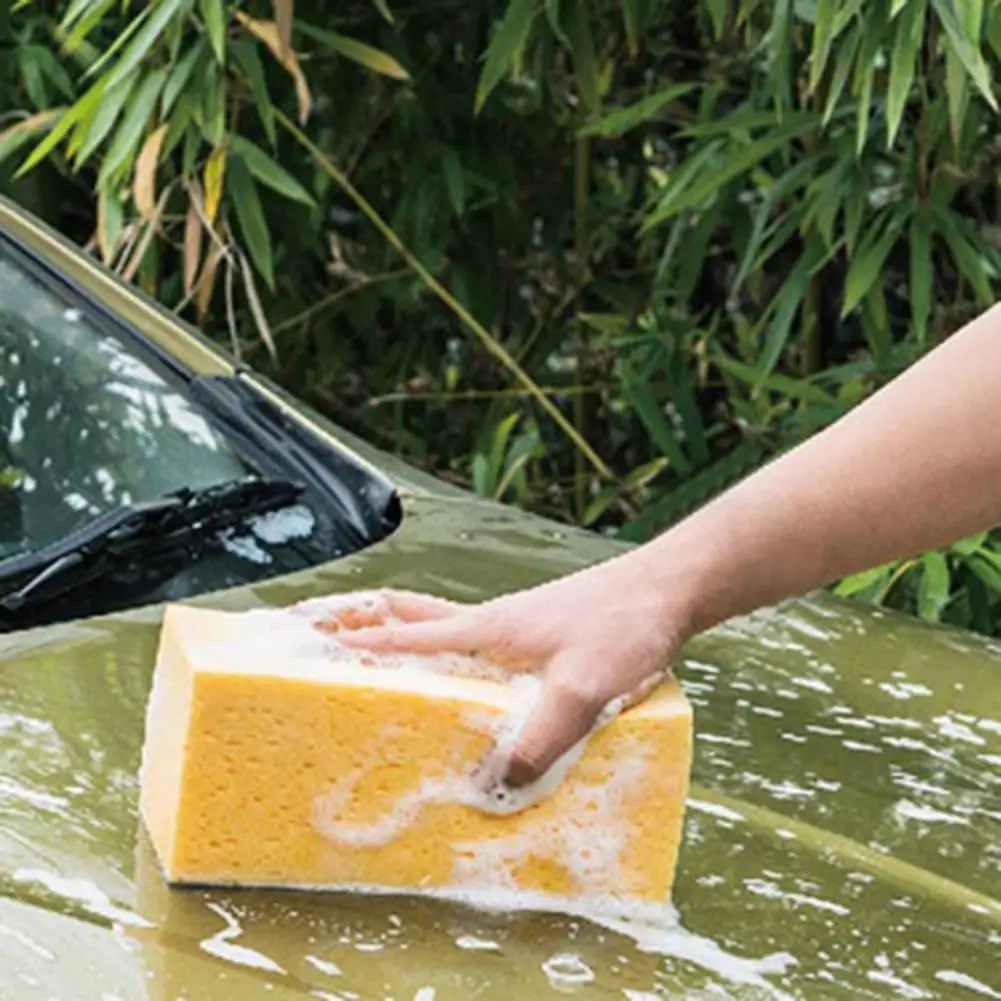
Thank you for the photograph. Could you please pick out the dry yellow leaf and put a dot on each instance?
(144, 179)
(192, 244)
(215, 172)
(284, 10)
(206, 280)
(268, 33)
(256, 308)
(152, 227)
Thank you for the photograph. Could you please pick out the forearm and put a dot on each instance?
(915, 467)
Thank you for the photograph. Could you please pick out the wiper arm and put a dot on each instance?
(138, 531)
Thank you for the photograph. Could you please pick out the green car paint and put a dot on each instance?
(843, 837)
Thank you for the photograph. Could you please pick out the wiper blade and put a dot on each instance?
(138, 531)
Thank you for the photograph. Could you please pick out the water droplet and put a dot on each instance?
(566, 970)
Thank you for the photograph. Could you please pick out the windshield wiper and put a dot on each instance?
(137, 532)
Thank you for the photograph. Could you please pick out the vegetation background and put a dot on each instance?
(598, 259)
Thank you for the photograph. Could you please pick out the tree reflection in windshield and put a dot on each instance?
(85, 425)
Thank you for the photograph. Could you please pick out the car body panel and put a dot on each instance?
(843, 837)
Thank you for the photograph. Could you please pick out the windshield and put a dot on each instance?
(86, 423)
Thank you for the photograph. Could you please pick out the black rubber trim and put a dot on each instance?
(367, 505)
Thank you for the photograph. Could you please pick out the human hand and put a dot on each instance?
(595, 636)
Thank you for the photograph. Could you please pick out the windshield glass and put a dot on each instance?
(86, 421)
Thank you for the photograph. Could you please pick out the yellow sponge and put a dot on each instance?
(276, 757)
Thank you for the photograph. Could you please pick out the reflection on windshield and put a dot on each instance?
(85, 424)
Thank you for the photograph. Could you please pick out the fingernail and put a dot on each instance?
(518, 774)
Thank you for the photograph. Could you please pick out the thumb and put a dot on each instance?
(567, 710)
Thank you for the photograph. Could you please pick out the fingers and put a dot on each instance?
(565, 713)
(444, 635)
(412, 606)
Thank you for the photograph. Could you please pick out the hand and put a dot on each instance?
(595, 636)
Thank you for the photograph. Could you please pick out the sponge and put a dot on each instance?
(276, 757)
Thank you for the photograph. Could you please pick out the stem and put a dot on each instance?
(582, 186)
(490, 342)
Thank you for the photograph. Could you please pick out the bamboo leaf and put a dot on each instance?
(268, 172)
(585, 59)
(737, 163)
(214, 15)
(846, 15)
(776, 382)
(94, 129)
(506, 40)
(144, 181)
(717, 11)
(681, 384)
(56, 73)
(867, 266)
(968, 50)
(150, 229)
(993, 29)
(72, 35)
(933, 589)
(256, 308)
(267, 32)
(192, 244)
(651, 414)
(110, 224)
(61, 128)
(865, 70)
(358, 52)
(133, 125)
(249, 61)
(842, 67)
(985, 570)
(969, 260)
(823, 36)
(250, 215)
(787, 183)
(16, 137)
(180, 75)
(921, 277)
(957, 89)
(455, 181)
(910, 32)
(73, 13)
(622, 120)
(156, 23)
(742, 121)
(215, 172)
(552, 9)
(781, 49)
(855, 584)
(284, 15)
(180, 119)
(631, 20)
(787, 303)
(205, 285)
(383, 8)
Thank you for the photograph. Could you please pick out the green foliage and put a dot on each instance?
(600, 260)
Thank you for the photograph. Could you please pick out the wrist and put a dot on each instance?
(673, 579)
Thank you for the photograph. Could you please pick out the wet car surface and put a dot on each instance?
(843, 834)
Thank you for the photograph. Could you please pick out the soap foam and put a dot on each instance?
(309, 630)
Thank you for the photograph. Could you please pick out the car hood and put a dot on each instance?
(843, 836)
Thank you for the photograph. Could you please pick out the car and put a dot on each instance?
(843, 829)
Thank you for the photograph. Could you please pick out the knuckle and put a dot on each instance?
(580, 694)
